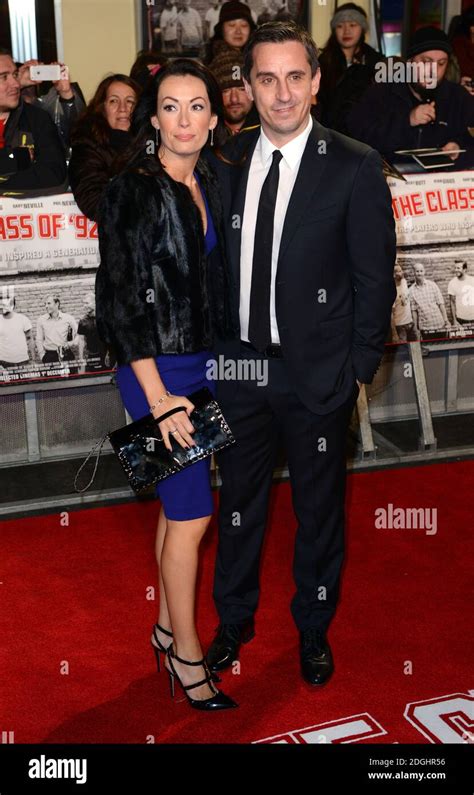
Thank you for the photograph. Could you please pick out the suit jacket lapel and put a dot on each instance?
(311, 168)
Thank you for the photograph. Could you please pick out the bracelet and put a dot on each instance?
(158, 402)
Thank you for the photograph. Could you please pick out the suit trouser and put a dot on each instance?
(316, 452)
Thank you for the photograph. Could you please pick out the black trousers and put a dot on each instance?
(316, 453)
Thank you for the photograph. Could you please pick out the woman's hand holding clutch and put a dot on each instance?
(178, 425)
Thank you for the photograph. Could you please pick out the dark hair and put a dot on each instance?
(144, 58)
(92, 122)
(4, 51)
(142, 130)
(278, 33)
(466, 20)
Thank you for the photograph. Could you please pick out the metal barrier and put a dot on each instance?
(416, 382)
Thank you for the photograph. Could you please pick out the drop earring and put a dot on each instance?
(212, 137)
(156, 136)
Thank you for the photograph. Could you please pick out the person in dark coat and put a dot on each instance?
(162, 299)
(348, 66)
(418, 114)
(312, 247)
(99, 138)
(32, 156)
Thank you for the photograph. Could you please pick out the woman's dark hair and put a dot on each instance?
(333, 59)
(145, 137)
(466, 21)
(144, 59)
(92, 122)
(279, 32)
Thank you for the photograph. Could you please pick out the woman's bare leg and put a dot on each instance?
(179, 565)
(163, 615)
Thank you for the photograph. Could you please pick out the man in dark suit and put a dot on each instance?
(312, 249)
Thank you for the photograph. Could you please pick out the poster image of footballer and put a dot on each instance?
(434, 272)
(184, 27)
(48, 259)
(435, 296)
(44, 336)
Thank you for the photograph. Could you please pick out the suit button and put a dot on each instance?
(280, 282)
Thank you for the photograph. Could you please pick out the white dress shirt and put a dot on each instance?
(260, 166)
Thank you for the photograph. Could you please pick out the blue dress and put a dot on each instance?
(187, 494)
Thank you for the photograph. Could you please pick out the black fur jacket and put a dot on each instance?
(156, 290)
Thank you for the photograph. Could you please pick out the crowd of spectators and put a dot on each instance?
(51, 141)
(387, 103)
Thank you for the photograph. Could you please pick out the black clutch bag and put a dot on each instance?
(142, 452)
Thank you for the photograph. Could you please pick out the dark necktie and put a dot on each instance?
(259, 317)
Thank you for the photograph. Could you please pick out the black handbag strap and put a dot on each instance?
(169, 413)
(100, 445)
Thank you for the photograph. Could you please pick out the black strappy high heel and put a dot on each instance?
(158, 647)
(218, 700)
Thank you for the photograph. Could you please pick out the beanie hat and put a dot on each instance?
(428, 38)
(227, 68)
(350, 15)
(233, 9)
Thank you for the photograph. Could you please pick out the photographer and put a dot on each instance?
(63, 100)
(31, 153)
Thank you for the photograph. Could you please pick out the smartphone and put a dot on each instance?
(50, 71)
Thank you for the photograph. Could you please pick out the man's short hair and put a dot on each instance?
(4, 51)
(278, 33)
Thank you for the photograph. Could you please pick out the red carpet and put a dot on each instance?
(76, 620)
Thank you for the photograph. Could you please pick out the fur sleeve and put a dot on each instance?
(128, 214)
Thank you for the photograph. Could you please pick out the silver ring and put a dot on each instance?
(173, 432)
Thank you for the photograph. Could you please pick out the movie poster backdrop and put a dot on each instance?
(49, 257)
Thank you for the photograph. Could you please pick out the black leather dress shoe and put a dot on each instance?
(225, 647)
(315, 657)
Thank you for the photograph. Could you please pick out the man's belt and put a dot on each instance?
(272, 351)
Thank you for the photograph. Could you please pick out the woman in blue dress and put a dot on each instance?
(161, 302)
